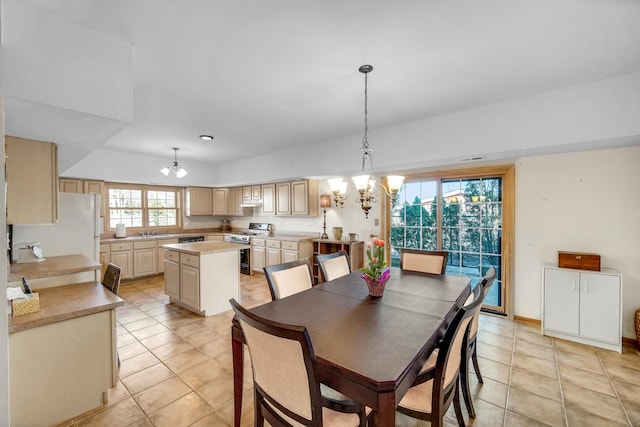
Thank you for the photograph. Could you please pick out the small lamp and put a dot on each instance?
(325, 202)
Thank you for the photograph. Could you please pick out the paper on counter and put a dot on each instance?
(15, 293)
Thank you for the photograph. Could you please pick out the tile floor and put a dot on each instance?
(176, 371)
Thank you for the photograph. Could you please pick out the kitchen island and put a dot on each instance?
(203, 276)
(62, 359)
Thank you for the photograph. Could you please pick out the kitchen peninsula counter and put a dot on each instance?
(62, 359)
(202, 276)
(52, 266)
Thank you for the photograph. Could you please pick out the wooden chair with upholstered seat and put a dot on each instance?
(286, 390)
(333, 265)
(437, 385)
(111, 279)
(430, 262)
(288, 278)
(472, 353)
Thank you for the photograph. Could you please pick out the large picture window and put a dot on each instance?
(464, 215)
(139, 206)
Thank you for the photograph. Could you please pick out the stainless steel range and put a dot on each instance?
(244, 237)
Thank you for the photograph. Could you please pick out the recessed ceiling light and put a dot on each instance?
(206, 137)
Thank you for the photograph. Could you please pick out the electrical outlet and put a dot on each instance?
(376, 222)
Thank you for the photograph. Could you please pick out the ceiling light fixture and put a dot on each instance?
(366, 183)
(178, 171)
(206, 137)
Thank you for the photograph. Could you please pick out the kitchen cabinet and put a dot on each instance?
(105, 256)
(283, 198)
(32, 181)
(172, 274)
(122, 256)
(69, 185)
(583, 306)
(258, 254)
(304, 198)
(160, 252)
(234, 202)
(272, 256)
(269, 199)
(190, 280)
(355, 250)
(220, 200)
(92, 187)
(292, 251)
(145, 256)
(199, 201)
(251, 193)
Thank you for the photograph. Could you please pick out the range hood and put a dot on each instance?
(251, 203)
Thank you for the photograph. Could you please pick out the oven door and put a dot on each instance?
(245, 261)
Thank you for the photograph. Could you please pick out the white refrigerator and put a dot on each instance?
(76, 232)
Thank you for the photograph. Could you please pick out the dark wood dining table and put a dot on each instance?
(370, 349)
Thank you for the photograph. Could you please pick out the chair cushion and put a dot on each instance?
(292, 280)
(431, 362)
(336, 267)
(418, 398)
(423, 263)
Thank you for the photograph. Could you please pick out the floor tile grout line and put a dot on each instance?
(513, 352)
(613, 387)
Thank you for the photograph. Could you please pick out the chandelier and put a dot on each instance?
(365, 183)
(175, 169)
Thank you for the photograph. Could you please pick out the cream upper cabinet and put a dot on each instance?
(69, 185)
(32, 181)
(220, 200)
(199, 201)
(304, 198)
(246, 193)
(92, 187)
(256, 192)
(234, 202)
(269, 199)
(283, 198)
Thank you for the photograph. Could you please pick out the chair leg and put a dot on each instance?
(464, 384)
(456, 406)
(474, 357)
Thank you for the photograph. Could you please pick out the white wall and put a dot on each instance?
(584, 202)
(4, 327)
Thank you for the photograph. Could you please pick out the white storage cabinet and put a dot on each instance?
(583, 306)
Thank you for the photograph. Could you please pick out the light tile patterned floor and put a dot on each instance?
(176, 371)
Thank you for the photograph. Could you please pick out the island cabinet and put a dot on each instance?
(202, 276)
(258, 254)
(355, 250)
(583, 306)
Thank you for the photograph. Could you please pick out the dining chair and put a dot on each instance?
(286, 390)
(431, 262)
(437, 385)
(333, 265)
(472, 353)
(288, 278)
(111, 278)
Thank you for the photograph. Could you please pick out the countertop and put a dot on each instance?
(161, 236)
(66, 302)
(204, 248)
(285, 237)
(52, 266)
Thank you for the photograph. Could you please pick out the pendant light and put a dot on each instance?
(177, 170)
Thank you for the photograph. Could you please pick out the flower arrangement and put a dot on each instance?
(375, 255)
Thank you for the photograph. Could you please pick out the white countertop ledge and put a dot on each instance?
(204, 248)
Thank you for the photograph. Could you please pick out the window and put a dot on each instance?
(139, 206)
(461, 212)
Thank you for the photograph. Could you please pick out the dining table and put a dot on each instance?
(368, 348)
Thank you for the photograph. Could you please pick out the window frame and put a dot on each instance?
(507, 173)
(145, 205)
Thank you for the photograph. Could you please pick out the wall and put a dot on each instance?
(4, 327)
(585, 202)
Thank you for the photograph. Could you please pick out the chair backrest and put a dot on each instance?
(431, 262)
(485, 284)
(283, 363)
(288, 278)
(111, 279)
(333, 265)
(455, 339)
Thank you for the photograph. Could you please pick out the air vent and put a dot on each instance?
(472, 159)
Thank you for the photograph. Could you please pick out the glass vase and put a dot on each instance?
(376, 287)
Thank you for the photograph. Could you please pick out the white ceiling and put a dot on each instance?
(265, 76)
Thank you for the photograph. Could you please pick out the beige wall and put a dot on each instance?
(4, 328)
(586, 202)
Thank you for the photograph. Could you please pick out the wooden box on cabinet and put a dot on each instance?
(355, 250)
(579, 260)
(582, 306)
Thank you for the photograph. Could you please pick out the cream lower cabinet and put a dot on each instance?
(258, 254)
(122, 256)
(583, 306)
(105, 255)
(272, 256)
(160, 256)
(145, 256)
(172, 274)
(292, 251)
(272, 251)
